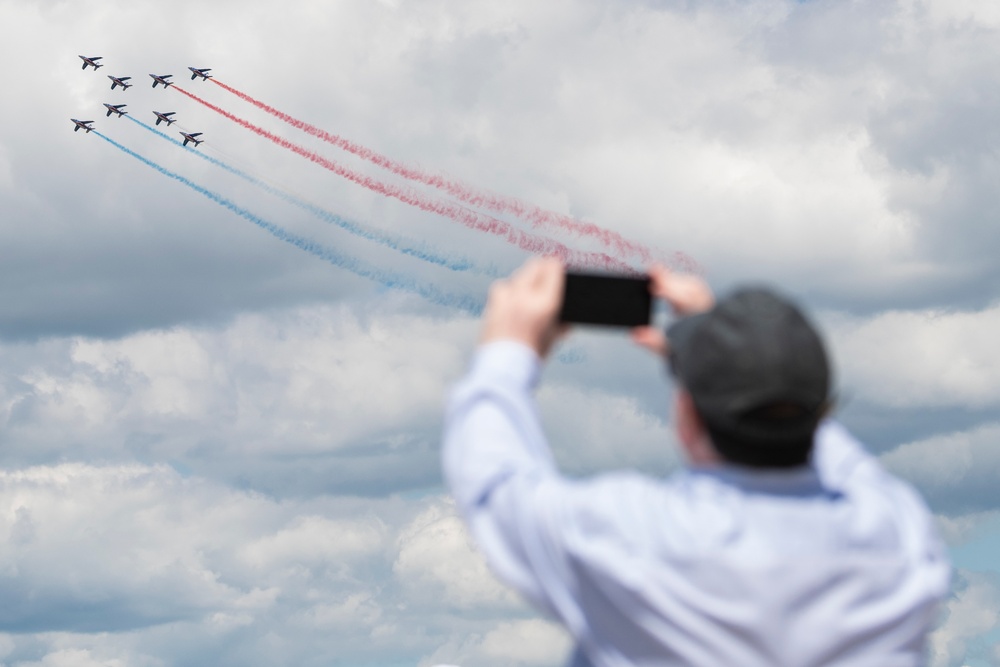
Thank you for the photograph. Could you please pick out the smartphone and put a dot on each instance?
(606, 299)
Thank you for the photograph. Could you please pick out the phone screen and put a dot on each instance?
(606, 299)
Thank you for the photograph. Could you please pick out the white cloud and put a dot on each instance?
(315, 541)
(970, 613)
(438, 563)
(920, 358)
(137, 565)
(959, 529)
(532, 642)
(92, 548)
(127, 545)
(956, 470)
(251, 399)
(73, 658)
(511, 643)
(985, 15)
(329, 397)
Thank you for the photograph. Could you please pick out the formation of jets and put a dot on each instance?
(84, 124)
(120, 81)
(161, 78)
(161, 116)
(92, 61)
(165, 117)
(115, 108)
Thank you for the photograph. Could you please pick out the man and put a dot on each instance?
(781, 542)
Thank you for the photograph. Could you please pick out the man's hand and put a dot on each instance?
(686, 294)
(525, 307)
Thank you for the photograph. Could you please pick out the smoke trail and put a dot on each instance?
(532, 243)
(389, 241)
(530, 213)
(352, 264)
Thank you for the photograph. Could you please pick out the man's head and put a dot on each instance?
(757, 375)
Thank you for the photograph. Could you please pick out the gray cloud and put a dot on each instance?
(845, 152)
(970, 613)
(737, 137)
(327, 399)
(921, 358)
(956, 471)
(314, 401)
(137, 564)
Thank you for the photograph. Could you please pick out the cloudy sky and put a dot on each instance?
(222, 370)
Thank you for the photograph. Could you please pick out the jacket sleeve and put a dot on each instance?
(501, 472)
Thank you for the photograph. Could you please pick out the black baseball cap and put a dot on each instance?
(758, 374)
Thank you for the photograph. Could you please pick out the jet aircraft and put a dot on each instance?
(92, 61)
(120, 81)
(191, 137)
(161, 78)
(116, 108)
(195, 72)
(85, 124)
(165, 117)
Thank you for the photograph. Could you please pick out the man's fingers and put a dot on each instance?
(686, 294)
(659, 277)
(541, 277)
(539, 272)
(499, 288)
(523, 308)
(552, 274)
(523, 274)
(652, 339)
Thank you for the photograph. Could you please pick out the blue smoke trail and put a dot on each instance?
(454, 264)
(352, 264)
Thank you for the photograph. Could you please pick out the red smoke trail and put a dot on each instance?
(534, 244)
(498, 203)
